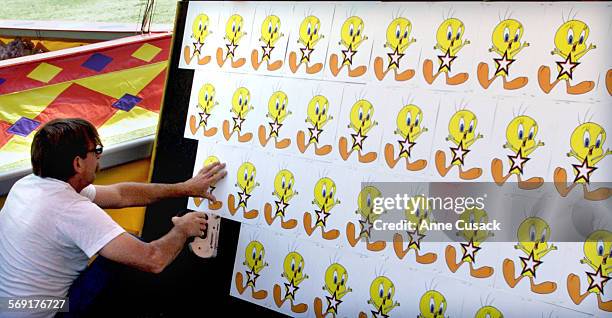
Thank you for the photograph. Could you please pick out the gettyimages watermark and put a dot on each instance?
(464, 211)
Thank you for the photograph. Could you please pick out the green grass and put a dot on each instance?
(126, 11)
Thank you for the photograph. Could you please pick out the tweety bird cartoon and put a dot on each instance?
(293, 272)
(245, 182)
(462, 132)
(240, 109)
(317, 116)
(284, 191)
(234, 32)
(365, 208)
(586, 146)
(382, 292)
(449, 38)
(570, 44)
(309, 36)
(200, 30)
(398, 40)
(361, 120)
(598, 256)
(206, 103)
(506, 41)
(418, 214)
(409, 128)
(432, 305)
(351, 37)
(254, 261)
(215, 205)
(325, 200)
(336, 280)
(270, 34)
(533, 235)
(521, 135)
(474, 237)
(277, 112)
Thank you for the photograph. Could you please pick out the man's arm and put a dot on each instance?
(127, 194)
(155, 256)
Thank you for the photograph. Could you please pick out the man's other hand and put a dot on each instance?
(199, 185)
(191, 224)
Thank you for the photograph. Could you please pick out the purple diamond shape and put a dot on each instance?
(23, 127)
(127, 102)
(97, 62)
(2, 80)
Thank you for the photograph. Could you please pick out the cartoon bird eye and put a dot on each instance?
(308, 29)
(389, 294)
(283, 182)
(516, 36)
(449, 33)
(369, 200)
(381, 291)
(543, 238)
(343, 280)
(581, 39)
(239, 100)
(432, 305)
(351, 30)
(270, 27)
(335, 278)
(239, 27)
(397, 32)
(570, 36)
(531, 133)
(587, 139)
(408, 119)
(458, 34)
(360, 114)
(277, 104)
(406, 34)
(206, 96)
(316, 108)
(369, 115)
(441, 310)
(416, 122)
(234, 26)
(324, 109)
(276, 29)
(284, 104)
(299, 268)
(461, 125)
(254, 252)
(316, 28)
(471, 126)
(532, 233)
(488, 315)
(324, 191)
(293, 265)
(506, 34)
(290, 184)
(482, 219)
(520, 131)
(598, 141)
(200, 25)
(205, 27)
(471, 218)
(261, 253)
(358, 30)
(417, 212)
(246, 175)
(600, 247)
(331, 193)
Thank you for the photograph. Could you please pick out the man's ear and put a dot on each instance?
(78, 164)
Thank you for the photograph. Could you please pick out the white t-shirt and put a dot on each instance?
(48, 232)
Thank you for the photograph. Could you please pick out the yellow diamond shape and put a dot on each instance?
(146, 52)
(44, 72)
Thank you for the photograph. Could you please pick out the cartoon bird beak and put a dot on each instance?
(524, 142)
(574, 47)
(591, 150)
(464, 135)
(536, 244)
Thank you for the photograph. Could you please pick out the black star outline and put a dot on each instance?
(518, 161)
(602, 278)
(572, 66)
(531, 259)
(504, 58)
(395, 61)
(472, 247)
(448, 57)
(585, 165)
(463, 151)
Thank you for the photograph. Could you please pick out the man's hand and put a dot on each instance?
(198, 186)
(191, 224)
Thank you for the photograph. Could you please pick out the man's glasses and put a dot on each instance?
(98, 150)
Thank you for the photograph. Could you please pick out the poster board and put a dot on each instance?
(244, 93)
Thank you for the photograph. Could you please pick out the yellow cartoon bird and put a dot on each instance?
(409, 123)
(488, 312)
(570, 44)
(240, 108)
(309, 36)
(199, 32)
(234, 32)
(432, 305)
(254, 261)
(351, 37)
(449, 40)
(586, 146)
(398, 40)
(521, 135)
(325, 200)
(317, 115)
(474, 237)
(506, 39)
(284, 191)
(382, 292)
(365, 209)
(419, 214)
(245, 177)
(361, 121)
(206, 103)
(277, 112)
(462, 133)
(336, 280)
(533, 235)
(215, 205)
(598, 256)
(270, 34)
(293, 272)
